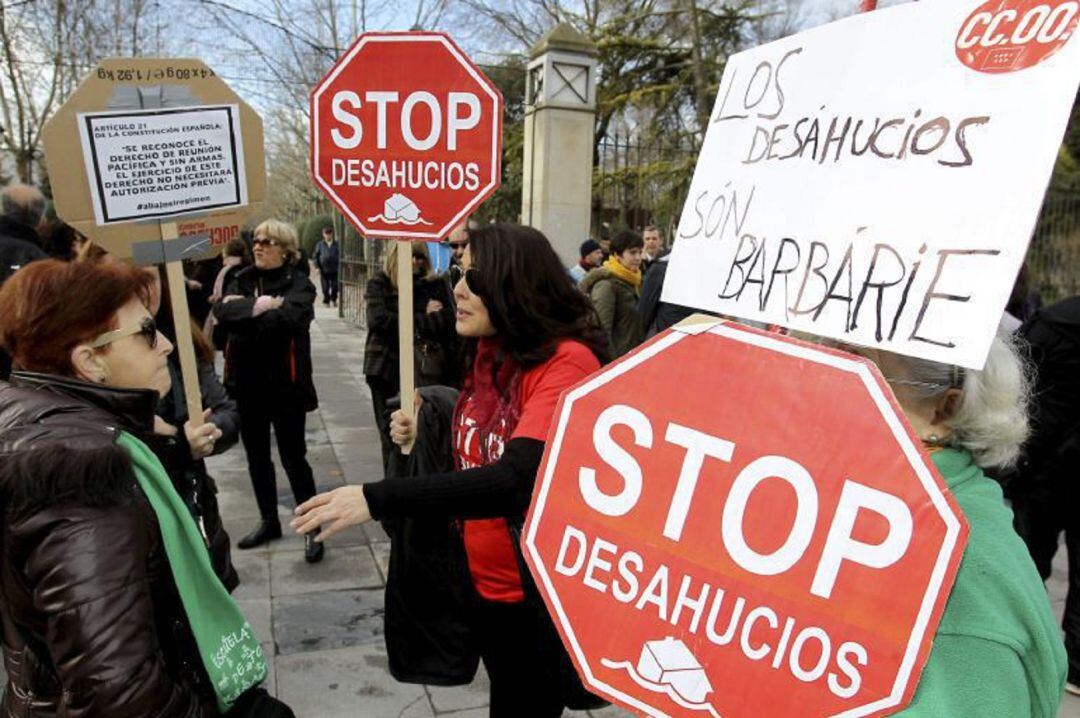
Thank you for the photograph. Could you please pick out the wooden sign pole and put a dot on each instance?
(406, 363)
(189, 368)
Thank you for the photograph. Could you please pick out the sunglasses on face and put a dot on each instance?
(264, 242)
(471, 276)
(147, 328)
(459, 245)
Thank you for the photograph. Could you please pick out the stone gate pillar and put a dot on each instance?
(560, 108)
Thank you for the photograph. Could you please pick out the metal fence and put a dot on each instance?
(636, 184)
(1053, 260)
(360, 258)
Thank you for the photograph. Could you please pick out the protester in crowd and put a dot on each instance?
(182, 445)
(458, 241)
(303, 262)
(200, 285)
(656, 315)
(1044, 491)
(591, 258)
(234, 257)
(326, 258)
(266, 313)
(433, 321)
(22, 209)
(110, 605)
(614, 289)
(530, 335)
(997, 652)
(653, 249)
(603, 238)
(62, 241)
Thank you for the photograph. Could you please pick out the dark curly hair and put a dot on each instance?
(532, 302)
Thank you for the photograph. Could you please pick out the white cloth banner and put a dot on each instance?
(146, 164)
(877, 180)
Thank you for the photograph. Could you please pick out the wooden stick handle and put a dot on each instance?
(189, 368)
(405, 334)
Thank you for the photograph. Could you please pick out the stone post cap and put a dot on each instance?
(565, 38)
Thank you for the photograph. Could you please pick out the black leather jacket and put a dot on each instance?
(92, 622)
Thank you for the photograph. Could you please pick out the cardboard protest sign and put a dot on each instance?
(776, 553)
(172, 162)
(145, 140)
(877, 180)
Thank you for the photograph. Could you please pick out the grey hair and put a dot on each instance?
(992, 420)
(22, 204)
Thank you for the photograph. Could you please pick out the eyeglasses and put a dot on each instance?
(458, 245)
(147, 328)
(957, 375)
(471, 276)
(264, 242)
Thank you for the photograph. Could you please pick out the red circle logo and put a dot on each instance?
(1009, 35)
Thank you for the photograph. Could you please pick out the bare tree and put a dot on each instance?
(46, 49)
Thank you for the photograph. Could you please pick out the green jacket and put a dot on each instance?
(998, 652)
(616, 302)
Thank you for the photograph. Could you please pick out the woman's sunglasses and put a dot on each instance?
(147, 328)
(471, 277)
(264, 242)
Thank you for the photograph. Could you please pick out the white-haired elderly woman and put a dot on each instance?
(998, 651)
(266, 313)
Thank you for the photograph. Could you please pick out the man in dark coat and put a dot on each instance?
(22, 209)
(1044, 491)
(326, 257)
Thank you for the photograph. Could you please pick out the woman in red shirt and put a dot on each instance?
(531, 335)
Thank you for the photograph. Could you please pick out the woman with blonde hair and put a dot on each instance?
(266, 314)
(433, 320)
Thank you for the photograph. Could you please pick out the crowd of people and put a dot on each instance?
(116, 575)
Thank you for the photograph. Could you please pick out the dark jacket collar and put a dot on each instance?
(132, 408)
(18, 230)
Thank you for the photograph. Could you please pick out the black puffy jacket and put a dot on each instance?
(92, 621)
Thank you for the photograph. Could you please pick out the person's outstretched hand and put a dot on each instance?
(331, 512)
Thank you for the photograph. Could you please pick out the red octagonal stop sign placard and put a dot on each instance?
(732, 523)
(406, 135)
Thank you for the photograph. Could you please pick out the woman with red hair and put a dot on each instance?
(110, 605)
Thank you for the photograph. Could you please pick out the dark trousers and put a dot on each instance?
(256, 418)
(521, 686)
(381, 391)
(1044, 507)
(329, 287)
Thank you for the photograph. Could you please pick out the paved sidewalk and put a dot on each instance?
(322, 625)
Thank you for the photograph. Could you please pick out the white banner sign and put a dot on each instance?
(877, 180)
(160, 163)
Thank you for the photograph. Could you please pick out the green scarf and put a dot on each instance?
(228, 647)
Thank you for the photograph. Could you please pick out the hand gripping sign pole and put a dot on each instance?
(172, 165)
(406, 138)
(406, 365)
